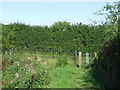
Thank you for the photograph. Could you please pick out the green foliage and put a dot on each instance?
(59, 36)
(20, 74)
(111, 12)
(109, 62)
(72, 77)
(62, 61)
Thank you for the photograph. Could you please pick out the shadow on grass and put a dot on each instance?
(90, 80)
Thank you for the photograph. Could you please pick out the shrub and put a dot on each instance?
(20, 74)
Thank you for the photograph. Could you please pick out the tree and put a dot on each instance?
(111, 12)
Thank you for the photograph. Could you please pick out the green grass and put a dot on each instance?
(72, 77)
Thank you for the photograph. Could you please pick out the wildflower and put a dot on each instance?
(29, 57)
(17, 75)
(17, 63)
(39, 60)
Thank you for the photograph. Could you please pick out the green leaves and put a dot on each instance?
(22, 73)
(78, 36)
(111, 12)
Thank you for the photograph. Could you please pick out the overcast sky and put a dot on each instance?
(46, 13)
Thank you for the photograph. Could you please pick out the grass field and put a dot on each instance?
(37, 70)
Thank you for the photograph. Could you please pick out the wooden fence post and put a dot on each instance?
(80, 59)
(87, 58)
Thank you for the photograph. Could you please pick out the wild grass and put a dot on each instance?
(37, 70)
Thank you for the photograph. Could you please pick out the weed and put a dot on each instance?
(62, 61)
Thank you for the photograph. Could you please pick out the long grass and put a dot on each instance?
(39, 69)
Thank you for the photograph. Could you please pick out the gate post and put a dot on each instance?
(87, 58)
(80, 59)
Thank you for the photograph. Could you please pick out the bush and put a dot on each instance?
(109, 62)
(20, 74)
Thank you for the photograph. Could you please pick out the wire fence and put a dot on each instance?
(78, 58)
(86, 58)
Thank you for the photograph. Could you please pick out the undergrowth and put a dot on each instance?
(23, 70)
(23, 73)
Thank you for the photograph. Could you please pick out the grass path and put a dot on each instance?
(72, 77)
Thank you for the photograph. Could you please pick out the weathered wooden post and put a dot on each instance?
(80, 59)
(87, 58)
